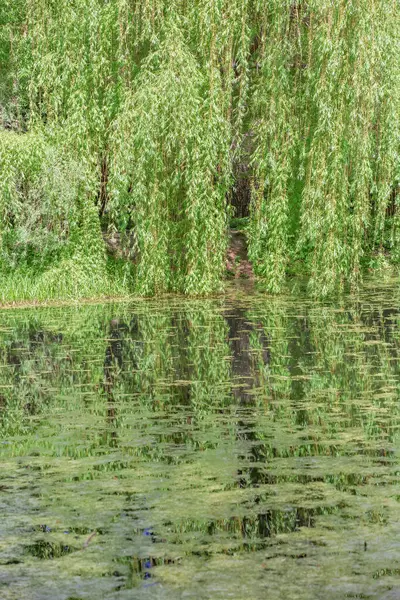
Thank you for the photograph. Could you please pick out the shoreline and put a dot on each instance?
(65, 302)
(232, 284)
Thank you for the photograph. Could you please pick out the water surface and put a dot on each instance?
(242, 447)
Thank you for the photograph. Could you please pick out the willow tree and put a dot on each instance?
(159, 100)
(171, 171)
(326, 125)
(273, 101)
(353, 119)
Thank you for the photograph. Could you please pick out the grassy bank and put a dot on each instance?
(66, 282)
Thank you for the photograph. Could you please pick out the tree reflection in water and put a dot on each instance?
(212, 446)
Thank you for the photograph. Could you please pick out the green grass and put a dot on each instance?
(66, 281)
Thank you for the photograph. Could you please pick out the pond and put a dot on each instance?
(238, 447)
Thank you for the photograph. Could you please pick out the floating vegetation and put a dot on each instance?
(201, 448)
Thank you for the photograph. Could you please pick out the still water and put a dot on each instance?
(241, 447)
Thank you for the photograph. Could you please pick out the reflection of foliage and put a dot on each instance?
(201, 431)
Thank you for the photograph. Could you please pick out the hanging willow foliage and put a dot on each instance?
(272, 157)
(342, 208)
(170, 172)
(158, 100)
